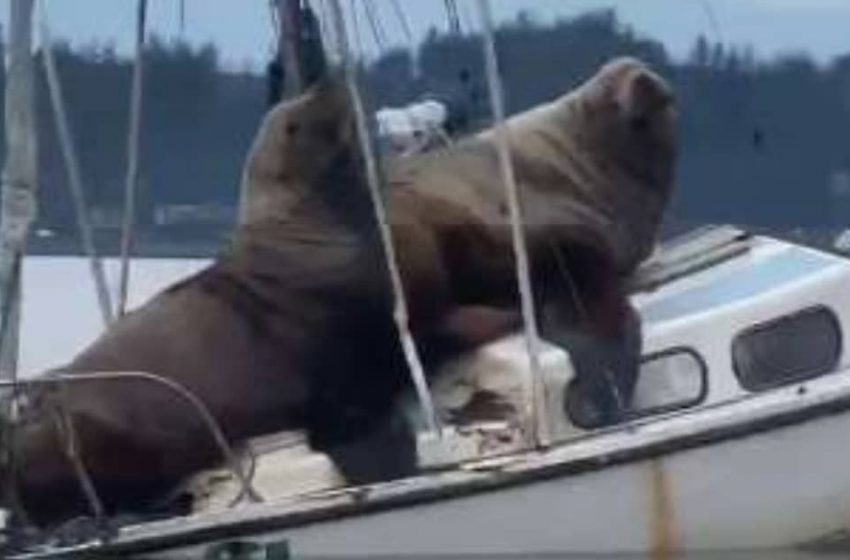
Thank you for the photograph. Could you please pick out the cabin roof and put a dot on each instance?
(715, 267)
(742, 278)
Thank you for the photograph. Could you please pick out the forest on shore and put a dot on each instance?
(764, 142)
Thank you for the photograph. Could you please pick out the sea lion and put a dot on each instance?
(290, 328)
(595, 172)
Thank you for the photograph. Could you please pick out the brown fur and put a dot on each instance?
(290, 328)
(595, 173)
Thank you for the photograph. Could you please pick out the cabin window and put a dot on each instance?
(668, 380)
(790, 349)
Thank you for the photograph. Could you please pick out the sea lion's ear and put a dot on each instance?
(331, 93)
(331, 83)
(640, 94)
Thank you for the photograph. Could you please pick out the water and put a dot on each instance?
(60, 310)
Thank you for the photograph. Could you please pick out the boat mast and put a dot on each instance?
(17, 198)
(289, 49)
(285, 74)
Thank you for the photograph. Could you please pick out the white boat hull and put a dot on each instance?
(772, 491)
(734, 470)
(788, 487)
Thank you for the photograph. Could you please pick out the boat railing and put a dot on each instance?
(192, 401)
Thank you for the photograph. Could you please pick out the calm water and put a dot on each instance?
(60, 311)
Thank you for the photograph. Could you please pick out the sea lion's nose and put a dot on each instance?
(331, 93)
(641, 94)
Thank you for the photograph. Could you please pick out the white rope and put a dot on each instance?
(412, 47)
(453, 17)
(375, 25)
(400, 314)
(54, 85)
(182, 18)
(502, 134)
(358, 36)
(405, 24)
(131, 183)
(708, 9)
(66, 430)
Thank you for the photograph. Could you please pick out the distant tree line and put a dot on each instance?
(764, 142)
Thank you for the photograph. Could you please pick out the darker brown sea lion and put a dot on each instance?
(290, 328)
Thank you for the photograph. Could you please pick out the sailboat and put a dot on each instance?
(742, 402)
(742, 399)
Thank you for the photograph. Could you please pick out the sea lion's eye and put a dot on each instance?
(329, 133)
(292, 129)
(640, 124)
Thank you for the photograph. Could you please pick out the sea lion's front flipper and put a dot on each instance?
(387, 451)
(583, 307)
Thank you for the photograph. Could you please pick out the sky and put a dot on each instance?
(242, 28)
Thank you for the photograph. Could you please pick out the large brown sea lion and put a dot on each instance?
(290, 328)
(595, 172)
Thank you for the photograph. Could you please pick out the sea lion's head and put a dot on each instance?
(627, 118)
(599, 162)
(300, 142)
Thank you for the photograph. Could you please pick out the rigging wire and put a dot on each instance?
(131, 184)
(196, 404)
(535, 428)
(466, 18)
(708, 9)
(274, 21)
(67, 433)
(405, 24)
(373, 177)
(320, 7)
(375, 25)
(182, 17)
(453, 17)
(54, 86)
(355, 23)
(409, 39)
